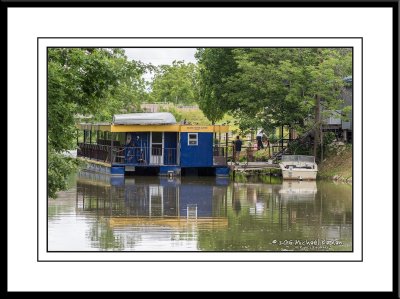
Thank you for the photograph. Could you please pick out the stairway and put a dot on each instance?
(286, 149)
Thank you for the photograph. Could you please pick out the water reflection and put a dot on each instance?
(208, 214)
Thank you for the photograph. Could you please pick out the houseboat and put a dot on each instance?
(154, 144)
(298, 167)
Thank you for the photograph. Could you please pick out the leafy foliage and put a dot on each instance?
(215, 66)
(270, 87)
(195, 117)
(59, 168)
(85, 81)
(174, 83)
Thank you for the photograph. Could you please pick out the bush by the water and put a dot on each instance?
(261, 155)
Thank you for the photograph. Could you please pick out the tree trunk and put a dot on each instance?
(322, 144)
(317, 125)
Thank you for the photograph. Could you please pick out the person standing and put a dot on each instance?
(259, 137)
(238, 148)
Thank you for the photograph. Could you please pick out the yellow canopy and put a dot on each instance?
(154, 128)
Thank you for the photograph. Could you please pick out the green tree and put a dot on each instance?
(269, 87)
(84, 81)
(174, 83)
(215, 66)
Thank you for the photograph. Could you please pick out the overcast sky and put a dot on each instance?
(159, 56)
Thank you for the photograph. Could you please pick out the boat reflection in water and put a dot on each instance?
(151, 198)
(207, 214)
(157, 211)
(298, 191)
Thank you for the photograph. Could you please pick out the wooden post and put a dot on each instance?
(269, 149)
(214, 142)
(219, 143)
(112, 147)
(282, 138)
(226, 149)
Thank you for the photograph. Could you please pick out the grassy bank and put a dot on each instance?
(338, 164)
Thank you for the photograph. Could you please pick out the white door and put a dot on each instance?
(156, 148)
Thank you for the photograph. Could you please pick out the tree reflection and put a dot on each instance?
(218, 215)
(273, 213)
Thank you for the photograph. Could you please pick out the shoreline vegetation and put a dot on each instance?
(337, 166)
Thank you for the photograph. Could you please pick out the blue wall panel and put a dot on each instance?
(170, 145)
(200, 155)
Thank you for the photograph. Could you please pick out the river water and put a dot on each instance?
(100, 213)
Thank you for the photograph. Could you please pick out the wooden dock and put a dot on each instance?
(245, 166)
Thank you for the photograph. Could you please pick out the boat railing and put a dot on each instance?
(220, 155)
(154, 155)
(98, 152)
(129, 154)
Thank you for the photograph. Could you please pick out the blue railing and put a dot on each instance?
(150, 156)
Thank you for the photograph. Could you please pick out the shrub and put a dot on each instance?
(273, 138)
(261, 155)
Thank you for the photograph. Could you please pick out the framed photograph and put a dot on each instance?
(252, 146)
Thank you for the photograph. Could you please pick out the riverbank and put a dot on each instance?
(338, 164)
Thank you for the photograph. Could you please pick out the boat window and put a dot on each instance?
(156, 137)
(193, 139)
(298, 158)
